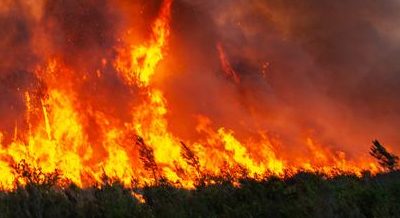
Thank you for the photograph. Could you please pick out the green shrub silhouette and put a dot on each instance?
(387, 160)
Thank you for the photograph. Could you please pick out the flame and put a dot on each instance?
(142, 61)
(142, 147)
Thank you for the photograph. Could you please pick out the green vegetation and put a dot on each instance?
(301, 195)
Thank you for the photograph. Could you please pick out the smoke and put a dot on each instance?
(17, 58)
(82, 32)
(323, 68)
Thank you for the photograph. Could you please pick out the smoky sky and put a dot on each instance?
(332, 67)
(15, 58)
(84, 31)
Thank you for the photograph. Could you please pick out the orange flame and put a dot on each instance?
(143, 59)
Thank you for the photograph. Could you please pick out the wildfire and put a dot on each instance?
(61, 127)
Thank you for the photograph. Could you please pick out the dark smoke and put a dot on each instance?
(16, 60)
(82, 32)
(332, 70)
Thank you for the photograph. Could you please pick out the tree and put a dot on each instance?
(386, 159)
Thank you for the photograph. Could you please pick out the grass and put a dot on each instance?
(302, 195)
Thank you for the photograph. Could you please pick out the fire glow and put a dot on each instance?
(63, 130)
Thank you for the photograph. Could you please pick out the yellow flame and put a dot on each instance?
(144, 59)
